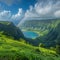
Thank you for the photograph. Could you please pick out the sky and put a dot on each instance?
(21, 10)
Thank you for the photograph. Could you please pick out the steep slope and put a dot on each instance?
(11, 49)
(38, 24)
(49, 38)
(9, 29)
(15, 50)
(52, 38)
(41, 27)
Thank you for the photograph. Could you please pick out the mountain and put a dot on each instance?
(52, 38)
(9, 29)
(12, 49)
(49, 31)
(32, 24)
(42, 27)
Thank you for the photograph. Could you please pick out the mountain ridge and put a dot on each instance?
(10, 29)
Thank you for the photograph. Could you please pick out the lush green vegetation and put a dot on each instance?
(15, 50)
(5, 22)
(14, 46)
(9, 29)
(48, 30)
(42, 27)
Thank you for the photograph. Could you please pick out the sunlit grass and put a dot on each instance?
(11, 49)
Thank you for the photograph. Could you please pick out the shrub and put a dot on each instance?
(37, 50)
(41, 45)
(58, 49)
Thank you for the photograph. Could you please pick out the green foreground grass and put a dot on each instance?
(14, 50)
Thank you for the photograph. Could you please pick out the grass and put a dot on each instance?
(5, 22)
(18, 50)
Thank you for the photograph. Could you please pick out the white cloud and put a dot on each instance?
(48, 9)
(57, 13)
(18, 15)
(5, 15)
(40, 9)
(43, 9)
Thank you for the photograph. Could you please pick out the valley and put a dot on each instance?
(14, 45)
(41, 27)
(29, 29)
(46, 29)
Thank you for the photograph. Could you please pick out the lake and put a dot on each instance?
(30, 34)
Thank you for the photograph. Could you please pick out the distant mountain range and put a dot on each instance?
(37, 23)
(49, 28)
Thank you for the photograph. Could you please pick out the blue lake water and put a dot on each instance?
(30, 34)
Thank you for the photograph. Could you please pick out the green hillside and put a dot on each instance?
(5, 22)
(9, 29)
(14, 50)
(52, 38)
(49, 31)
(41, 27)
(14, 46)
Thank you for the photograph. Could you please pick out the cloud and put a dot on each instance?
(10, 2)
(43, 9)
(19, 15)
(5, 15)
(57, 13)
